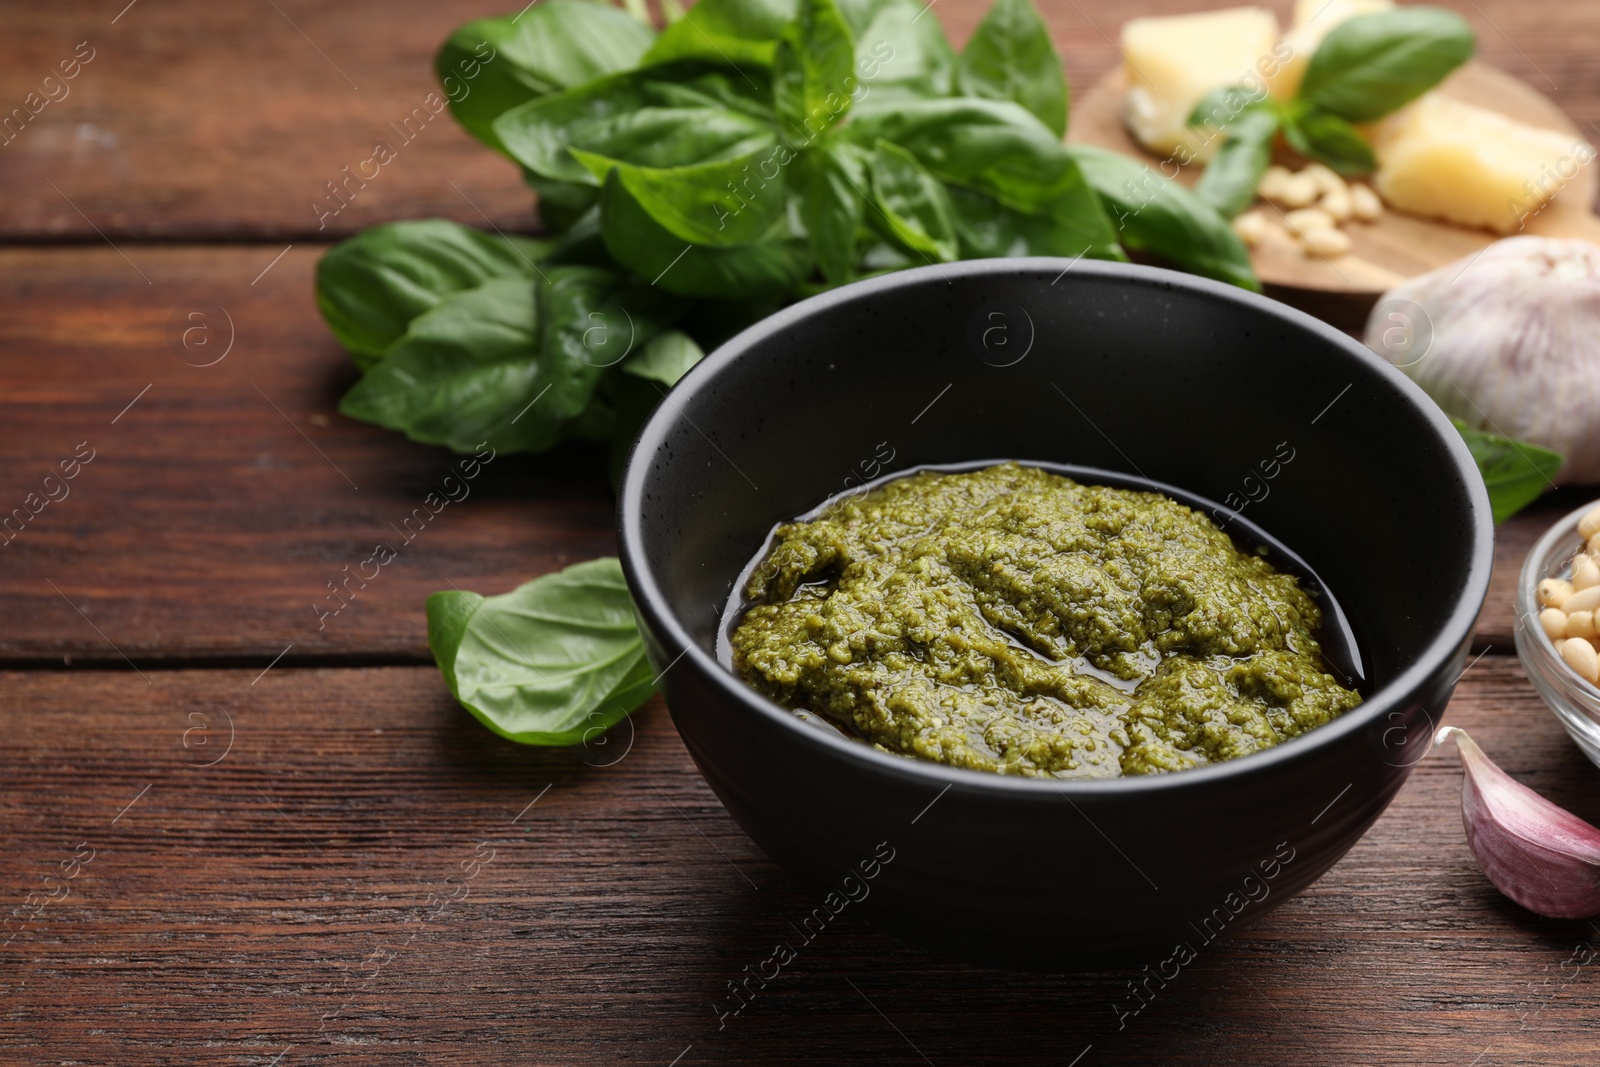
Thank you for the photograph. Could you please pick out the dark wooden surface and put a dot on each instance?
(265, 846)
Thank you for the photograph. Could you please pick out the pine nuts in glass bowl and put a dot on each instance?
(1558, 604)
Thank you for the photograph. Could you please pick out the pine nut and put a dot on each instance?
(1553, 592)
(1554, 621)
(1582, 658)
(1251, 227)
(1328, 180)
(1585, 572)
(1307, 219)
(1589, 525)
(1329, 242)
(1337, 205)
(1298, 190)
(1365, 203)
(1582, 600)
(1581, 624)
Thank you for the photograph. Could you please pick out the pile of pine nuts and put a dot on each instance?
(1312, 204)
(1571, 606)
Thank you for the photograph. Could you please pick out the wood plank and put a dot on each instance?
(217, 507)
(229, 908)
(176, 129)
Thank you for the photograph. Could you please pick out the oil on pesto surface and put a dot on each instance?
(1013, 620)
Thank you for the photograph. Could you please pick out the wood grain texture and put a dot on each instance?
(224, 121)
(280, 899)
(217, 508)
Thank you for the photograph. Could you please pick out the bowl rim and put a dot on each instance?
(652, 604)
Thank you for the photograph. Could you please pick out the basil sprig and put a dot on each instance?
(694, 180)
(1366, 67)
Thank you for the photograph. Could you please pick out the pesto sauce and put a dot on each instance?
(1014, 620)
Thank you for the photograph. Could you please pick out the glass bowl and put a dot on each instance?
(1574, 700)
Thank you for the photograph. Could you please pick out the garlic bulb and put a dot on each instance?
(1541, 856)
(1508, 341)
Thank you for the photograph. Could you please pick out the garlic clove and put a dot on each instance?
(1540, 855)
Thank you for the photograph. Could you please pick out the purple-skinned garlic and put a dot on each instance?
(1540, 855)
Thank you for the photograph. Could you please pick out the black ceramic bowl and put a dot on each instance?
(1158, 376)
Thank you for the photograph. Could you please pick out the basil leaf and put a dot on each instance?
(1163, 218)
(989, 145)
(1514, 472)
(666, 358)
(901, 57)
(554, 662)
(731, 201)
(1329, 139)
(1229, 182)
(770, 267)
(460, 374)
(812, 71)
(589, 320)
(832, 182)
(372, 285)
(730, 31)
(489, 66)
(987, 229)
(1010, 57)
(669, 116)
(1371, 65)
(511, 363)
(913, 209)
(560, 204)
(1223, 107)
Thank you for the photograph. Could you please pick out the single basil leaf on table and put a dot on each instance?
(1330, 140)
(732, 31)
(1514, 472)
(668, 116)
(491, 65)
(832, 182)
(912, 207)
(1162, 217)
(554, 662)
(813, 71)
(372, 285)
(1371, 65)
(901, 57)
(773, 266)
(1010, 57)
(729, 201)
(1232, 178)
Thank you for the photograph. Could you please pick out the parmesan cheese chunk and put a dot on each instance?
(1173, 62)
(1446, 159)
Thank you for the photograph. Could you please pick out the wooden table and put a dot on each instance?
(288, 845)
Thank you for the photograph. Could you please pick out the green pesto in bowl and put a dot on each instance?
(1014, 620)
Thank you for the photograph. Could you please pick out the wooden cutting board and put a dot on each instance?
(1397, 246)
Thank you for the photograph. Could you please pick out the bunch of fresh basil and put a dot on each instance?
(753, 152)
(1365, 68)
